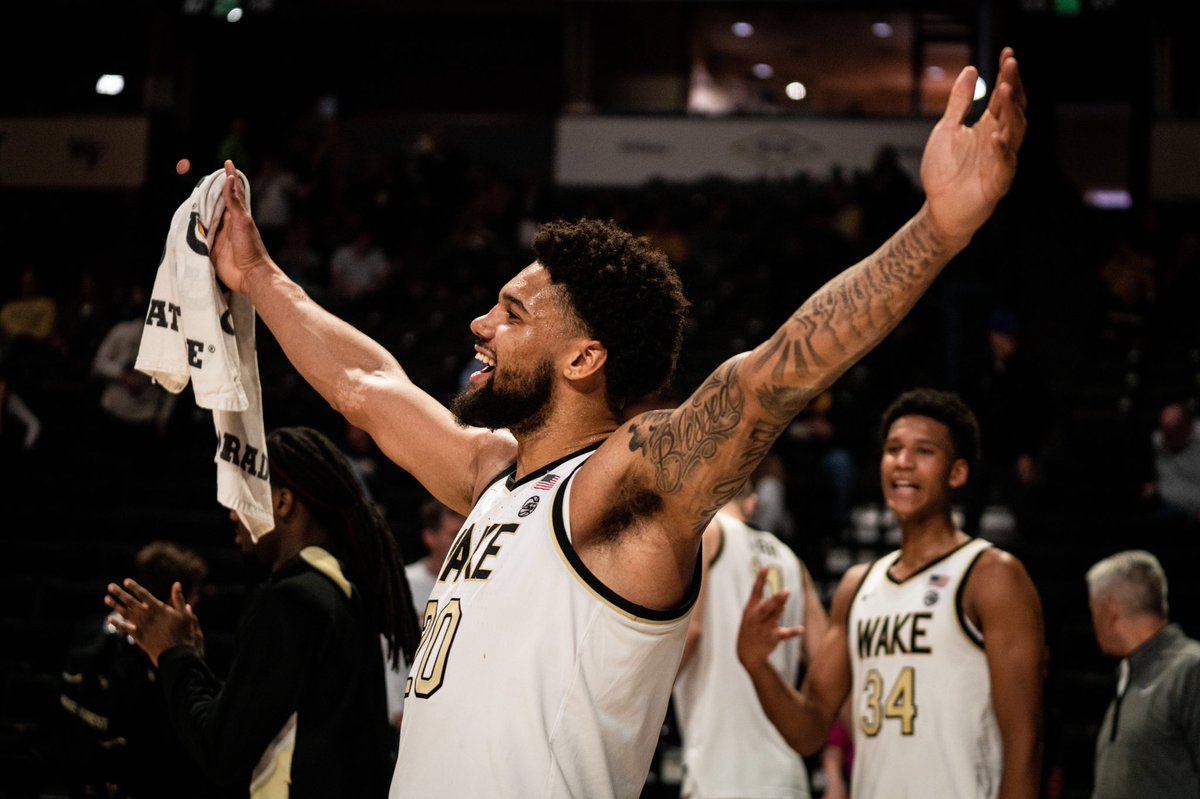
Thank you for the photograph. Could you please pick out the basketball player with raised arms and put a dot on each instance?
(555, 628)
(939, 644)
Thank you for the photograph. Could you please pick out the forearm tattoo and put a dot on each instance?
(854, 311)
(833, 329)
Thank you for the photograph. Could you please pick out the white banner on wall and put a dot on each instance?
(629, 151)
(73, 152)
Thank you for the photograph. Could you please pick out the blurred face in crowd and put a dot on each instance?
(517, 344)
(1176, 426)
(919, 471)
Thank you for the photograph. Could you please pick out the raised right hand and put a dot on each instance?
(238, 248)
(760, 632)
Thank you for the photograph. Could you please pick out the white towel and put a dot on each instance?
(199, 331)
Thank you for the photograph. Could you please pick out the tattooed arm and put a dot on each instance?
(689, 461)
(699, 454)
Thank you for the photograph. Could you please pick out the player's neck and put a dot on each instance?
(923, 540)
(568, 428)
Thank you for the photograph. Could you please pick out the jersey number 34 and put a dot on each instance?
(901, 702)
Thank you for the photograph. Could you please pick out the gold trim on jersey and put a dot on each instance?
(888, 571)
(968, 629)
(593, 584)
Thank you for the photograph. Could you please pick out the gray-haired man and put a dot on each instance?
(1149, 744)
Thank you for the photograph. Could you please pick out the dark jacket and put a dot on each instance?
(304, 647)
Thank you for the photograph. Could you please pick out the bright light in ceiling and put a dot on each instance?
(796, 90)
(111, 85)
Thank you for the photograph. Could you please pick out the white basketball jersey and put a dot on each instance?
(924, 727)
(532, 678)
(731, 750)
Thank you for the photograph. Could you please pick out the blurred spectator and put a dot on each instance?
(83, 322)
(12, 407)
(31, 315)
(439, 526)
(300, 259)
(717, 244)
(665, 234)
(820, 449)
(358, 269)
(130, 400)
(771, 512)
(28, 325)
(118, 738)
(1013, 404)
(276, 190)
(233, 146)
(890, 196)
(375, 472)
(1176, 444)
(1148, 743)
(1129, 278)
(846, 213)
(438, 173)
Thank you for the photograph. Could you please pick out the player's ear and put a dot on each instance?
(587, 359)
(282, 502)
(960, 471)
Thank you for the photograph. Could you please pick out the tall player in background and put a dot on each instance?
(556, 625)
(939, 643)
(730, 747)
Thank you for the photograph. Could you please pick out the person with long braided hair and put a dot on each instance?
(303, 711)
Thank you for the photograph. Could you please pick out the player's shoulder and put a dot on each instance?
(995, 561)
(997, 578)
(852, 581)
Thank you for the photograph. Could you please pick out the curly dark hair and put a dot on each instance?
(942, 406)
(627, 296)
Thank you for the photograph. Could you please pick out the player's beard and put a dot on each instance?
(521, 406)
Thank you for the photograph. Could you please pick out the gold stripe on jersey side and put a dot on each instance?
(963, 625)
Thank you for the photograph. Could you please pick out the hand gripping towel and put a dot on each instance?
(198, 330)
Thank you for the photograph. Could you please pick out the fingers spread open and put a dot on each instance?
(772, 607)
(177, 597)
(120, 598)
(141, 593)
(784, 633)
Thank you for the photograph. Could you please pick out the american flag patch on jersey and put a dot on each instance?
(939, 580)
(545, 483)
